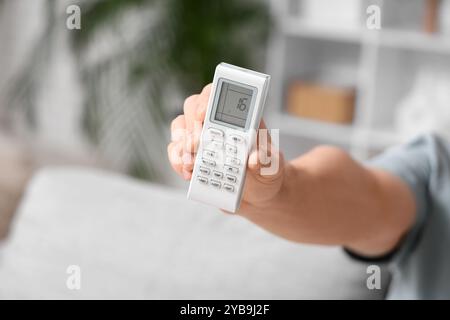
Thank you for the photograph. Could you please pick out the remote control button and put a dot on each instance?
(215, 183)
(204, 170)
(231, 178)
(231, 149)
(217, 144)
(236, 139)
(209, 154)
(232, 161)
(202, 179)
(228, 187)
(211, 163)
(218, 174)
(215, 132)
(232, 169)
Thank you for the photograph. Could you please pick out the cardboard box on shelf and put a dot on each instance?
(321, 102)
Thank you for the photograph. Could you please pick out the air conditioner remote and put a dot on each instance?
(233, 115)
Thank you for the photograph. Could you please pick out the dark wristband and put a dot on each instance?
(375, 259)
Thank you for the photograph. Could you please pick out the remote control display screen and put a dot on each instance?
(234, 104)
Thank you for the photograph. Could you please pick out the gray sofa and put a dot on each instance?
(137, 240)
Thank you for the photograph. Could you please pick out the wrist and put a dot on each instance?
(391, 220)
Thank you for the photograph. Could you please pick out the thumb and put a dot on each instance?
(265, 172)
(265, 163)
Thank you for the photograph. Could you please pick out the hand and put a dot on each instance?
(186, 131)
(321, 197)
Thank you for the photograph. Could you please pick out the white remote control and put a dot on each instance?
(233, 115)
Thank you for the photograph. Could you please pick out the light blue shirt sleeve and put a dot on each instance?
(421, 267)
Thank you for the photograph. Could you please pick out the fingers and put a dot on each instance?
(264, 177)
(265, 161)
(190, 111)
(262, 124)
(194, 112)
(262, 145)
(265, 165)
(203, 102)
(264, 130)
(178, 128)
(180, 160)
(185, 133)
(179, 155)
(195, 108)
(175, 152)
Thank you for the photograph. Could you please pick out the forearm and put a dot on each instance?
(322, 197)
(327, 198)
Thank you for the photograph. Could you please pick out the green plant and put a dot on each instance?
(190, 36)
(177, 47)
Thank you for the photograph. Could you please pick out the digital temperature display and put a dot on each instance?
(234, 104)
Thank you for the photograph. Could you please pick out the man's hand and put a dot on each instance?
(321, 197)
(186, 130)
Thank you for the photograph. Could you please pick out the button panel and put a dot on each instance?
(236, 139)
(204, 171)
(233, 161)
(231, 149)
(203, 179)
(208, 162)
(228, 187)
(208, 154)
(218, 174)
(231, 169)
(216, 183)
(222, 165)
(216, 144)
(215, 132)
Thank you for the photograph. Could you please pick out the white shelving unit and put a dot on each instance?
(380, 63)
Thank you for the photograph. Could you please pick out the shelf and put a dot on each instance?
(300, 28)
(383, 64)
(413, 40)
(332, 133)
(296, 126)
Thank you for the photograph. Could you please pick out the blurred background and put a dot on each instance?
(104, 96)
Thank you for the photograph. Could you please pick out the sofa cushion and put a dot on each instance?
(137, 240)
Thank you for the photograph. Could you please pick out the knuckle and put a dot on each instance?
(169, 150)
(177, 120)
(206, 89)
(190, 103)
(170, 146)
(203, 101)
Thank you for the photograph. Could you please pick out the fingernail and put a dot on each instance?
(253, 160)
(264, 158)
